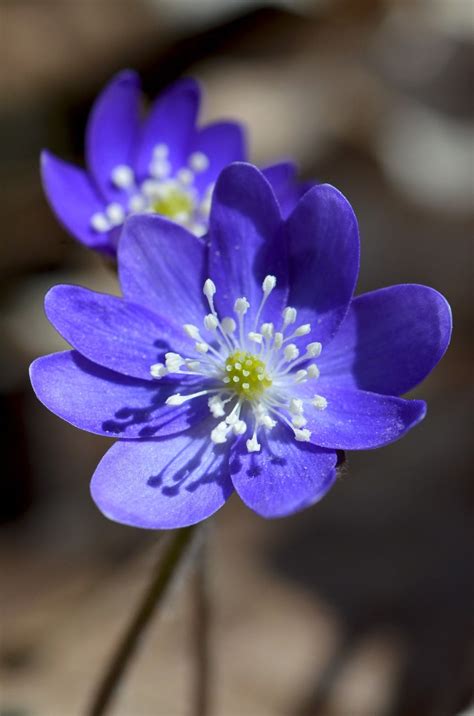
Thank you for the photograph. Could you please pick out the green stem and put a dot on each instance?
(164, 572)
(201, 622)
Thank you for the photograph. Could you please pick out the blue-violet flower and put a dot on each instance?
(164, 165)
(240, 363)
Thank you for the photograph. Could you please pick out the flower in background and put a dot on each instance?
(239, 364)
(165, 165)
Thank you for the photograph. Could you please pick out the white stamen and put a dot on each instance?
(255, 337)
(313, 371)
(269, 283)
(185, 176)
(303, 330)
(160, 169)
(122, 176)
(319, 402)
(137, 203)
(219, 434)
(228, 325)
(115, 214)
(209, 290)
(302, 435)
(210, 322)
(314, 349)
(192, 331)
(100, 223)
(291, 352)
(296, 406)
(289, 316)
(158, 370)
(239, 427)
(252, 444)
(198, 161)
(278, 340)
(202, 347)
(267, 330)
(241, 306)
(216, 406)
(300, 376)
(299, 421)
(160, 151)
(173, 362)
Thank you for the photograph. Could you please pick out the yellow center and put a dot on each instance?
(175, 202)
(247, 374)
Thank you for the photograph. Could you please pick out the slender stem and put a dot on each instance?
(201, 621)
(164, 572)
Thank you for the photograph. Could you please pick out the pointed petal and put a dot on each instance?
(324, 259)
(111, 332)
(222, 143)
(74, 200)
(163, 267)
(163, 484)
(285, 476)
(112, 131)
(171, 122)
(106, 403)
(390, 340)
(357, 420)
(246, 241)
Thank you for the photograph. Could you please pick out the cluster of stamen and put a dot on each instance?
(250, 375)
(173, 196)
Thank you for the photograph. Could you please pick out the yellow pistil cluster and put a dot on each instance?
(175, 204)
(246, 374)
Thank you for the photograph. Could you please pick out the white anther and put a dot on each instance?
(313, 371)
(137, 203)
(314, 349)
(319, 402)
(296, 406)
(241, 306)
(269, 283)
(300, 376)
(216, 406)
(291, 352)
(193, 365)
(239, 427)
(198, 162)
(202, 347)
(210, 322)
(267, 330)
(158, 370)
(228, 325)
(122, 176)
(99, 222)
(268, 422)
(185, 176)
(176, 399)
(278, 340)
(150, 188)
(160, 169)
(303, 330)
(252, 444)
(160, 151)
(255, 337)
(302, 435)
(219, 434)
(209, 289)
(289, 315)
(115, 213)
(299, 421)
(173, 362)
(192, 331)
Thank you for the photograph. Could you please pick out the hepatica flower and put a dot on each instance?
(165, 165)
(243, 363)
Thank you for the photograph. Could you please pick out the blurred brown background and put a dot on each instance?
(361, 606)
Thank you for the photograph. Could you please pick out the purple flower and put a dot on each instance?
(165, 165)
(239, 364)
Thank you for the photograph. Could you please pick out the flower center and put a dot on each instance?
(246, 374)
(173, 195)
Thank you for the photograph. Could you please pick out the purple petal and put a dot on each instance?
(324, 259)
(74, 200)
(171, 121)
(222, 143)
(111, 332)
(162, 267)
(285, 476)
(288, 190)
(100, 401)
(390, 340)
(357, 420)
(113, 130)
(246, 241)
(163, 484)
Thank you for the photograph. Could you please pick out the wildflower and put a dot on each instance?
(244, 363)
(165, 166)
